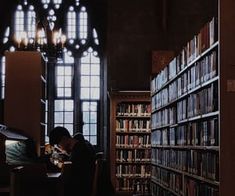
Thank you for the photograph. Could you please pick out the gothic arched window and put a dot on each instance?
(74, 76)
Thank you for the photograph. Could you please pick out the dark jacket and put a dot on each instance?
(82, 169)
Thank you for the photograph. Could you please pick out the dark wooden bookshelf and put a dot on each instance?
(185, 117)
(130, 148)
(25, 94)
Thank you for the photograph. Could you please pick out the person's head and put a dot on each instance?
(78, 136)
(60, 136)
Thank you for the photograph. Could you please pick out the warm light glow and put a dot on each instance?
(41, 37)
(21, 38)
(24, 38)
(63, 40)
(55, 37)
(59, 38)
(40, 40)
(18, 39)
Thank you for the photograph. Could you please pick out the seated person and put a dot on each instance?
(82, 156)
(78, 136)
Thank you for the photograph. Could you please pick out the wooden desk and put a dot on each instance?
(54, 184)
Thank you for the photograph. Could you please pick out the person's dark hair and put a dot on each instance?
(57, 134)
(78, 136)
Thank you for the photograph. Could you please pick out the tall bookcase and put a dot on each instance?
(130, 151)
(185, 119)
(25, 94)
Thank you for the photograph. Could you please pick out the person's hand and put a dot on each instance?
(48, 149)
(60, 164)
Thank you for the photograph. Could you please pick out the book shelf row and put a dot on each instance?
(197, 103)
(191, 188)
(200, 163)
(133, 125)
(133, 184)
(198, 133)
(133, 141)
(197, 188)
(133, 170)
(133, 156)
(194, 76)
(168, 179)
(205, 39)
(202, 102)
(207, 35)
(133, 109)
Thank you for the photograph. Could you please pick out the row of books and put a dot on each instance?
(198, 103)
(197, 188)
(127, 109)
(160, 99)
(204, 164)
(199, 133)
(196, 46)
(160, 156)
(160, 118)
(202, 41)
(160, 80)
(132, 184)
(168, 179)
(133, 140)
(202, 102)
(135, 155)
(131, 125)
(192, 188)
(133, 170)
(142, 186)
(202, 71)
